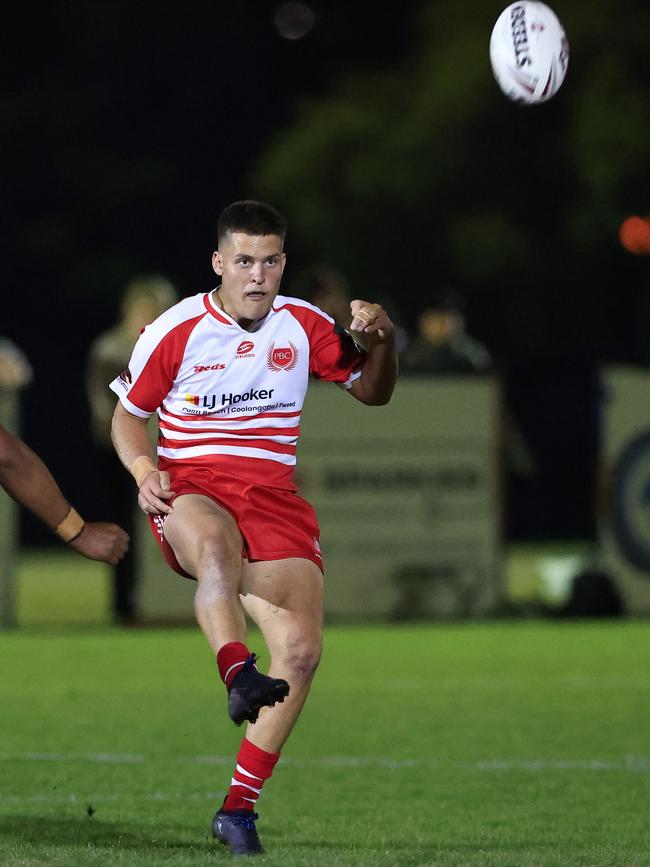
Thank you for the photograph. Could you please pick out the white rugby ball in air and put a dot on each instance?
(529, 52)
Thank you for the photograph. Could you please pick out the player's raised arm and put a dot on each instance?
(28, 481)
(131, 441)
(372, 328)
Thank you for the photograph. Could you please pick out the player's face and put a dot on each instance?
(250, 267)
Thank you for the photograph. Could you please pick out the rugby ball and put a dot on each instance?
(529, 52)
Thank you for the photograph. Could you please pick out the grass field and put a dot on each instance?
(522, 743)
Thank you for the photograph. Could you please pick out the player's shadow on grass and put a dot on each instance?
(89, 831)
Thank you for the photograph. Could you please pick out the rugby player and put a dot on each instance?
(227, 372)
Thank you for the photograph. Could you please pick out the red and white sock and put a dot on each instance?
(230, 659)
(253, 767)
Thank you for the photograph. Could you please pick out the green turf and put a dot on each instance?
(478, 744)
(59, 587)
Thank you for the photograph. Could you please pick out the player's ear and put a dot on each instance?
(217, 263)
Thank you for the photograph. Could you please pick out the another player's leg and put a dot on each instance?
(208, 545)
(285, 599)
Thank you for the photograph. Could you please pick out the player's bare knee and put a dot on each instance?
(217, 553)
(300, 659)
(217, 569)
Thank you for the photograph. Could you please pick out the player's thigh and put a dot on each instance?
(285, 599)
(198, 523)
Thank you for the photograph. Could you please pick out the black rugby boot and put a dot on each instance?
(250, 691)
(236, 829)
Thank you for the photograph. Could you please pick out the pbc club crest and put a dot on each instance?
(284, 358)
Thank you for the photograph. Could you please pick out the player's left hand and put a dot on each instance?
(101, 541)
(368, 318)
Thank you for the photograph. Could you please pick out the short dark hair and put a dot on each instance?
(253, 218)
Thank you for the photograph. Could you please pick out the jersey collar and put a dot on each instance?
(217, 312)
(221, 315)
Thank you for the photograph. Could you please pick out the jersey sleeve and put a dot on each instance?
(153, 367)
(334, 356)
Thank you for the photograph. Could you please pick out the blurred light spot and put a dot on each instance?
(294, 20)
(634, 234)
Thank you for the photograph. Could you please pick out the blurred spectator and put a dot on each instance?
(15, 370)
(442, 345)
(145, 298)
(327, 288)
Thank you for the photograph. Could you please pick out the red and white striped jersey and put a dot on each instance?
(229, 396)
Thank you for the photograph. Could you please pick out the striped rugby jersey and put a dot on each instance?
(229, 396)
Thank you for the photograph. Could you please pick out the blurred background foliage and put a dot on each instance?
(425, 174)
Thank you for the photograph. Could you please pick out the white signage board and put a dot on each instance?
(408, 498)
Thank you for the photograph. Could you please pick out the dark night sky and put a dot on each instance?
(128, 126)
